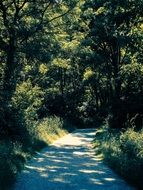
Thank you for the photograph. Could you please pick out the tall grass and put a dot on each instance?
(13, 155)
(123, 151)
(46, 131)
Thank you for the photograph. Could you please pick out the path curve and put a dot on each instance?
(69, 164)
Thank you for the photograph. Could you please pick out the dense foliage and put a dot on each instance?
(123, 152)
(81, 60)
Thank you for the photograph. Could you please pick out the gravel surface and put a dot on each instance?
(69, 164)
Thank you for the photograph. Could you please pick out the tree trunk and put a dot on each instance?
(116, 62)
(9, 84)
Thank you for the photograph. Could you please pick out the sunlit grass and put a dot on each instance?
(123, 151)
(13, 155)
(46, 131)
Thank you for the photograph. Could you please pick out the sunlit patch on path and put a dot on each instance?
(69, 164)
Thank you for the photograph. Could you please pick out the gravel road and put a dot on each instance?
(69, 164)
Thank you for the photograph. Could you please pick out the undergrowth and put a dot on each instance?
(13, 155)
(123, 151)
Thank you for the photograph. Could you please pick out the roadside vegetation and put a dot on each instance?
(13, 155)
(123, 152)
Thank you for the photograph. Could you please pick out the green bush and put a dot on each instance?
(13, 155)
(45, 131)
(123, 151)
(27, 100)
(12, 160)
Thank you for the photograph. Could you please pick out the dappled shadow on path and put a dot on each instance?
(69, 164)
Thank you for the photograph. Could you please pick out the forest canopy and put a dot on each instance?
(80, 60)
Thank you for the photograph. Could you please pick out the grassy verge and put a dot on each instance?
(13, 155)
(123, 151)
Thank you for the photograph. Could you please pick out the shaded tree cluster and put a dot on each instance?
(80, 60)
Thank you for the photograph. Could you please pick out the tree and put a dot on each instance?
(21, 22)
(114, 37)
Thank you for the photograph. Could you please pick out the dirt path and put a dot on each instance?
(69, 164)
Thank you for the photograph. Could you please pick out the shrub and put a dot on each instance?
(13, 154)
(12, 160)
(28, 99)
(123, 151)
(45, 131)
